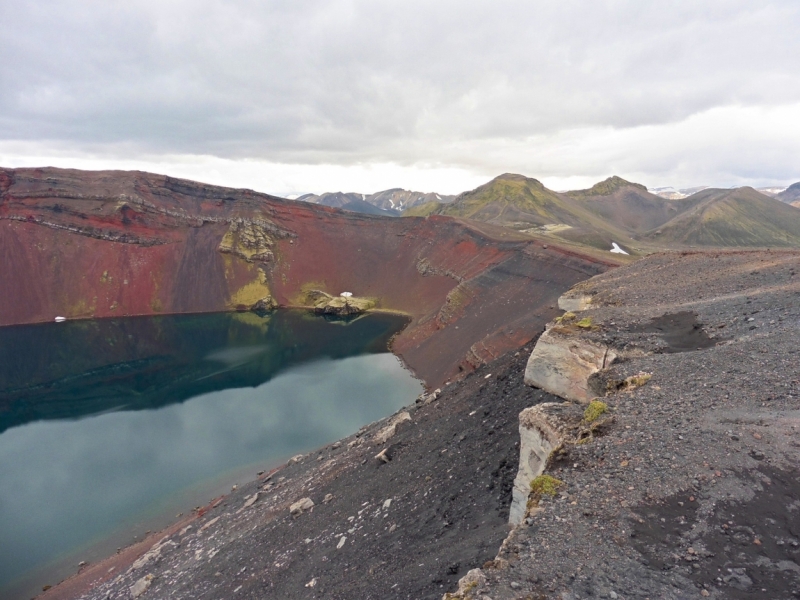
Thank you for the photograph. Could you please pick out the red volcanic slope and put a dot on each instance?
(99, 244)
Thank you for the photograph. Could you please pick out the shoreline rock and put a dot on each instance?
(340, 306)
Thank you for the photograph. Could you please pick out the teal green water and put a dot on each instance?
(106, 426)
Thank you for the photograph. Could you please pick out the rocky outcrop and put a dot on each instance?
(425, 268)
(574, 303)
(264, 305)
(388, 432)
(542, 429)
(251, 240)
(644, 506)
(301, 506)
(562, 362)
(472, 585)
(141, 586)
(340, 306)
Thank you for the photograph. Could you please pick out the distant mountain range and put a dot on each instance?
(616, 210)
(612, 211)
(791, 195)
(390, 203)
(670, 193)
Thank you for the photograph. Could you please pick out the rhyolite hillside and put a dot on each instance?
(741, 217)
(629, 205)
(84, 244)
(614, 210)
(626, 213)
(790, 195)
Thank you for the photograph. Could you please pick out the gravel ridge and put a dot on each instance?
(692, 492)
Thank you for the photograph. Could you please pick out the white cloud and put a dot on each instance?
(470, 88)
(280, 179)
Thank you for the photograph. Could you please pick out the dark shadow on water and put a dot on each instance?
(80, 368)
(108, 427)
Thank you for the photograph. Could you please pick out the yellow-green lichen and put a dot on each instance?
(252, 292)
(569, 322)
(248, 240)
(594, 411)
(629, 383)
(545, 485)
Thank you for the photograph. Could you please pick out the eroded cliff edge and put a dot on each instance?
(683, 487)
(679, 479)
(84, 244)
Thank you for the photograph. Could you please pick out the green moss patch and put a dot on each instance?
(629, 383)
(569, 321)
(594, 411)
(545, 485)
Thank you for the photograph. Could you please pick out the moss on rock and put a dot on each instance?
(545, 485)
(594, 411)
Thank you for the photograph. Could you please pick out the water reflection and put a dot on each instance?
(211, 393)
(73, 369)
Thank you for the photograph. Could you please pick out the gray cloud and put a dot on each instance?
(346, 81)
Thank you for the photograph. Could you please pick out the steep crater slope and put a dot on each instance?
(97, 244)
(680, 480)
(405, 507)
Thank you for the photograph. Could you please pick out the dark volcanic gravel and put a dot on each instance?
(680, 332)
(711, 440)
(747, 548)
(691, 490)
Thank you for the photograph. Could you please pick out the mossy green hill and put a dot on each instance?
(423, 210)
(740, 217)
(629, 205)
(624, 212)
(525, 204)
(512, 200)
(607, 187)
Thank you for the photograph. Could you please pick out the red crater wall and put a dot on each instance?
(100, 244)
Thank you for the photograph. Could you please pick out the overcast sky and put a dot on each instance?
(296, 96)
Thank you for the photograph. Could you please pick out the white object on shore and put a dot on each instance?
(616, 249)
(346, 294)
(60, 319)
